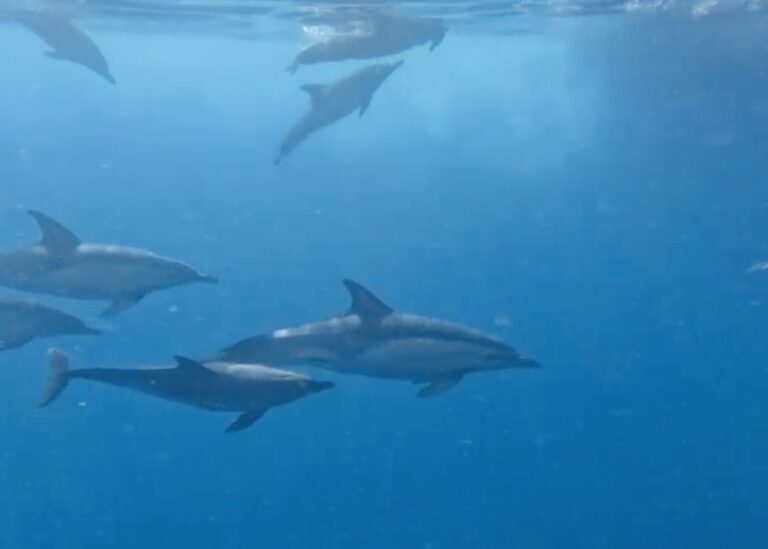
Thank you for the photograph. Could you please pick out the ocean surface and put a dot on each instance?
(587, 182)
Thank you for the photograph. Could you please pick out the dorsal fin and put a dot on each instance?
(366, 305)
(191, 366)
(315, 91)
(56, 238)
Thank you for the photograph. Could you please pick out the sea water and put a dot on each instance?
(588, 182)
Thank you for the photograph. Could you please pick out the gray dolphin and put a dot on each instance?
(386, 35)
(67, 41)
(219, 387)
(23, 321)
(374, 340)
(332, 102)
(63, 266)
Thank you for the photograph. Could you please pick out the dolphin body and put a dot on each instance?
(61, 265)
(246, 388)
(67, 41)
(332, 102)
(374, 340)
(388, 35)
(23, 321)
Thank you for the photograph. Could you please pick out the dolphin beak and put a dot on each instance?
(207, 279)
(527, 363)
(319, 386)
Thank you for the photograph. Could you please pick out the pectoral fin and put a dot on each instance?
(365, 105)
(245, 420)
(120, 304)
(440, 385)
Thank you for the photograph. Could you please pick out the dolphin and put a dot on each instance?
(67, 41)
(220, 387)
(332, 102)
(23, 321)
(386, 35)
(374, 340)
(61, 265)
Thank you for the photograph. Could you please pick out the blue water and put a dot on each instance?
(590, 189)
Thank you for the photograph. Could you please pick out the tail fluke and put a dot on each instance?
(58, 377)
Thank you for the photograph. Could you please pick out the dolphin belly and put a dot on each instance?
(97, 279)
(414, 359)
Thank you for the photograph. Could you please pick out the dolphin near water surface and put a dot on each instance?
(61, 265)
(383, 34)
(374, 340)
(248, 389)
(68, 42)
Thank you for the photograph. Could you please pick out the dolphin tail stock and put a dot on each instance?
(58, 377)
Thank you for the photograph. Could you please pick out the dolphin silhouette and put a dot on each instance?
(67, 41)
(332, 102)
(374, 340)
(385, 35)
(246, 388)
(23, 321)
(61, 265)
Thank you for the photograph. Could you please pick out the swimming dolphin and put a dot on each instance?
(332, 102)
(63, 266)
(386, 35)
(374, 340)
(247, 388)
(23, 321)
(69, 43)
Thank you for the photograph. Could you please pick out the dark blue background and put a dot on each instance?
(592, 192)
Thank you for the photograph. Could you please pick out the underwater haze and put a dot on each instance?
(586, 182)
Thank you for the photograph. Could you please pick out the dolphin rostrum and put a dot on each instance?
(384, 35)
(374, 340)
(332, 102)
(23, 321)
(219, 387)
(61, 265)
(67, 41)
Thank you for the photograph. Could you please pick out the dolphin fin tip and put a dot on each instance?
(58, 377)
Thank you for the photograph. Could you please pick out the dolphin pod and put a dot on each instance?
(251, 390)
(61, 265)
(371, 339)
(374, 340)
(384, 34)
